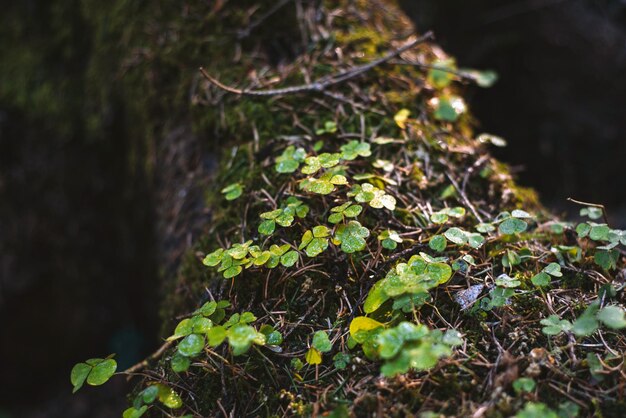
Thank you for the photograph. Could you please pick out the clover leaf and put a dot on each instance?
(351, 237)
(438, 243)
(441, 73)
(313, 356)
(353, 149)
(553, 325)
(347, 210)
(325, 160)
(241, 337)
(377, 198)
(191, 345)
(612, 316)
(456, 235)
(449, 108)
(95, 372)
(321, 342)
(330, 127)
(390, 239)
(591, 212)
(290, 159)
(401, 118)
(168, 397)
(232, 191)
(512, 226)
(323, 185)
(443, 215)
(315, 241)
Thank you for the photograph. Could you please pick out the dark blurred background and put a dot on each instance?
(561, 97)
(79, 236)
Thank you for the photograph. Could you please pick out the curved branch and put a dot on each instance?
(323, 83)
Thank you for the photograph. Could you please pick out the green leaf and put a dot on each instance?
(592, 212)
(439, 218)
(133, 412)
(541, 279)
(232, 191)
(583, 230)
(553, 325)
(475, 240)
(585, 326)
(553, 269)
(341, 360)
(449, 108)
(290, 159)
(483, 79)
(296, 364)
(316, 247)
(362, 324)
(191, 345)
(267, 227)
(272, 337)
(335, 218)
(78, 375)
(599, 232)
(612, 316)
(168, 397)
(325, 160)
(485, 228)
(390, 343)
(262, 258)
(278, 251)
(216, 335)
(241, 337)
(330, 127)
(180, 363)
(456, 235)
(214, 258)
(375, 298)
(101, 372)
(512, 226)
(505, 281)
(200, 325)
(536, 410)
(320, 231)
(184, 328)
(439, 272)
(351, 237)
(328, 160)
(353, 149)
(437, 243)
(232, 272)
(524, 384)
(376, 197)
(207, 309)
(452, 338)
(149, 394)
(319, 186)
(441, 73)
(321, 342)
(607, 259)
(289, 259)
(247, 318)
(517, 213)
(353, 211)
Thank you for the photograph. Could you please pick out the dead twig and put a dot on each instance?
(593, 205)
(154, 356)
(323, 83)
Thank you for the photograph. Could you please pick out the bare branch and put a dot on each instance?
(323, 83)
